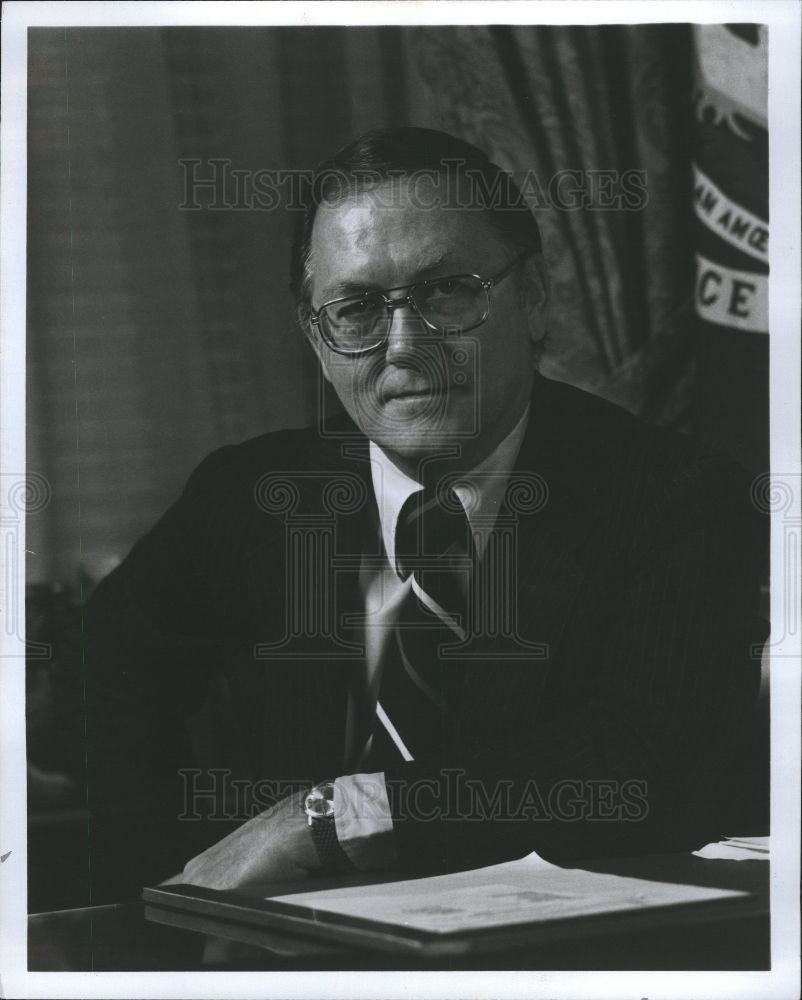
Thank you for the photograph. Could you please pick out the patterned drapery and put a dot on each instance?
(589, 111)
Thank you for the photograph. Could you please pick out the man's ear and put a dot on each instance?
(536, 294)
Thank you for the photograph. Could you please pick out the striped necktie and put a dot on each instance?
(435, 556)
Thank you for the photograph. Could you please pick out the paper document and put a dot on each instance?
(529, 890)
(736, 849)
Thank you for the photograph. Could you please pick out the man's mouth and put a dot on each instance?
(412, 393)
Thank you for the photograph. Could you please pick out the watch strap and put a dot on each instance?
(332, 856)
(324, 830)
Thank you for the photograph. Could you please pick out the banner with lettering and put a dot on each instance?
(731, 197)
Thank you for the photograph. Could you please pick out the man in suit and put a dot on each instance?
(479, 614)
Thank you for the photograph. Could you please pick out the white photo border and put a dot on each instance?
(783, 18)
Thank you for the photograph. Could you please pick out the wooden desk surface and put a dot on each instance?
(120, 938)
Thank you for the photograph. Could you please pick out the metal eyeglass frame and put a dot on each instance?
(409, 300)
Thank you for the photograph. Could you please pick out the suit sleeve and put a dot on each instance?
(140, 665)
(644, 759)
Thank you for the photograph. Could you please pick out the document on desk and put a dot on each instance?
(526, 891)
(517, 903)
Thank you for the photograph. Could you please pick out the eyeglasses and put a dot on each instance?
(361, 323)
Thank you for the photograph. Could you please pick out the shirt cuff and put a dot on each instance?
(363, 821)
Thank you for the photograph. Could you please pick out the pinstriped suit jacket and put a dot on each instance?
(604, 722)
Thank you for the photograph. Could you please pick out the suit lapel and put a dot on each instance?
(542, 524)
(546, 517)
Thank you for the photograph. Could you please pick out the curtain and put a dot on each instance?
(157, 332)
(596, 107)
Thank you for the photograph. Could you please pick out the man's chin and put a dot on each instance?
(417, 425)
(414, 444)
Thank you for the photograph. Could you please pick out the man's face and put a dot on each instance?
(424, 393)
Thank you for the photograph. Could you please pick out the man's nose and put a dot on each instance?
(407, 332)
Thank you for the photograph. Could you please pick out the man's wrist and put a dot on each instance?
(318, 807)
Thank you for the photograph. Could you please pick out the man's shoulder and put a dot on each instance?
(602, 432)
(274, 472)
(291, 449)
(610, 455)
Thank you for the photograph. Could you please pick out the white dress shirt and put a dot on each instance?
(362, 812)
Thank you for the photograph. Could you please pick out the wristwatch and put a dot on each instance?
(319, 808)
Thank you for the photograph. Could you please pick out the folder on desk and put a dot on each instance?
(482, 910)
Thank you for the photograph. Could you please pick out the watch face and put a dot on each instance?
(319, 803)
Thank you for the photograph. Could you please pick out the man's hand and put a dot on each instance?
(274, 846)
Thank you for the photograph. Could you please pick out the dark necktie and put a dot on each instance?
(435, 553)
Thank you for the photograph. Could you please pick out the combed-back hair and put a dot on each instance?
(469, 179)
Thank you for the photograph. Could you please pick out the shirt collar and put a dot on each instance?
(481, 491)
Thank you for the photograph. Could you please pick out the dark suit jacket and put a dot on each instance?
(637, 580)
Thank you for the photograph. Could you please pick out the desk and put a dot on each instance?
(119, 938)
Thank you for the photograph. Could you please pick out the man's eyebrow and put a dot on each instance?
(345, 288)
(435, 263)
